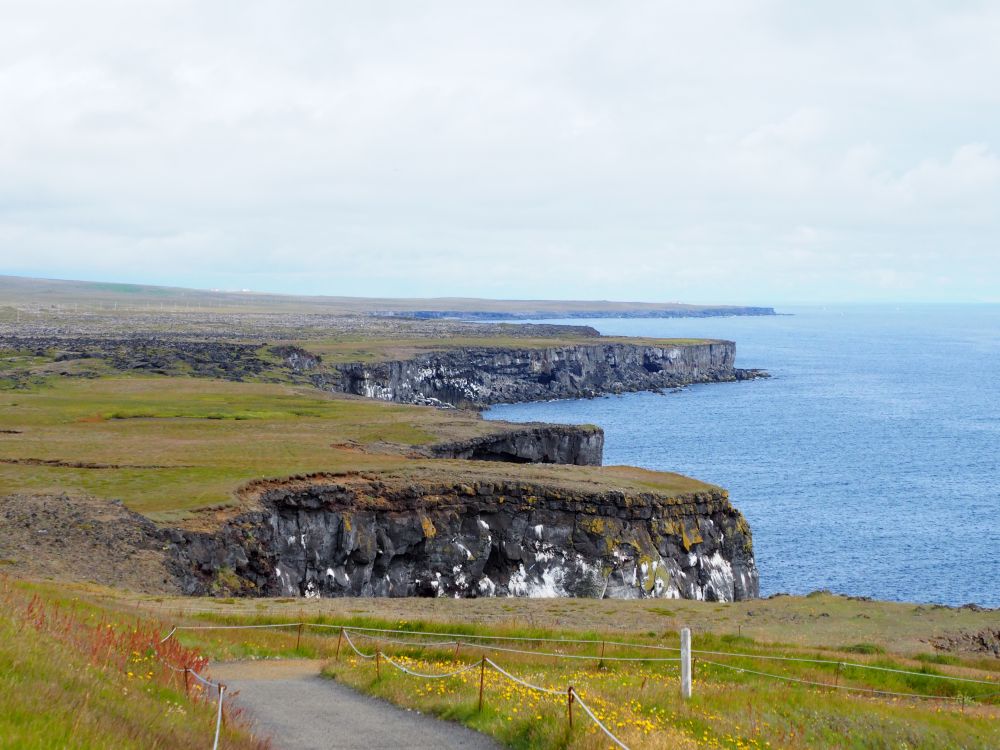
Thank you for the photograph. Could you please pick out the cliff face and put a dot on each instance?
(482, 376)
(365, 538)
(548, 444)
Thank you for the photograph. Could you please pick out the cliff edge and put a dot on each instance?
(481, 376)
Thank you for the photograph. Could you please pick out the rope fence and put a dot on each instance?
(479, 643)
(572, 695)
(461, 639)
(218, 686)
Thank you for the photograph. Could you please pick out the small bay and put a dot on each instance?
(868, 464)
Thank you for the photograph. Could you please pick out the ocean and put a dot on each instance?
(867, 465)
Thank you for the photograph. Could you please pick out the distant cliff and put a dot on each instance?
(480, 376)
(356, 536)
(617, 311)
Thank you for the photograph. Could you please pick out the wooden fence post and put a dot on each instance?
(569, 705)
(378, 664)
(482, 681)
(339, 639)
(298, 638)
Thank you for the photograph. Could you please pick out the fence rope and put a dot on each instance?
(857, 665)
(350, 643)
(518, 680)
(472, 636)
(396, 641)
(600, 724)
(490, 647)
(401, 668)
(872, 691)
(218, 719)
(239, 627)
(464, 638)
(167, 637)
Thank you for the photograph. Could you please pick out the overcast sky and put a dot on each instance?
(743, 152)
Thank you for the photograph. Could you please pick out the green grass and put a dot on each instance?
(202, 438)
(641, 703)
(168, 446)
(72, 679)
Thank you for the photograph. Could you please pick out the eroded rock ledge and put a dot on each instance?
(356, 536)
(479, 376)
(580, 445)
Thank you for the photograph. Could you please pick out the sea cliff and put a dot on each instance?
(373, 536)
(480, 376)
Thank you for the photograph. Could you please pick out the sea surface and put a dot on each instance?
(868, 464)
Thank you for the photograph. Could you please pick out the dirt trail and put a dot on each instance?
(300, 710)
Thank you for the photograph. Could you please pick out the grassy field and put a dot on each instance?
(169, 446)
(639, 702)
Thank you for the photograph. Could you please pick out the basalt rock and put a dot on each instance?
(581, 445)
(361, 537)
(479, 376)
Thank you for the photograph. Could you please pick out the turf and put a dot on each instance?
(168, 446)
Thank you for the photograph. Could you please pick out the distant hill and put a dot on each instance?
(18, 291)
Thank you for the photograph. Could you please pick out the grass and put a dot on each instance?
(642, 706)
(640, 702)
(178, 444)
(169, 446)
(89, 678)
(826, 622)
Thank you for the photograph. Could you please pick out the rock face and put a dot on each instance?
(483, 376)
(161, 356)
(581, 445)
(363, 538)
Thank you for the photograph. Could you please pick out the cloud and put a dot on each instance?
(747, 151)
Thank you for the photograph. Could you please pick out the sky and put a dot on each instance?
(709, 152)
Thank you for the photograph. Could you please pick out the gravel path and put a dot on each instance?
(289, 702)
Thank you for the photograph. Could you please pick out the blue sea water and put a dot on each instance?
(868, 464)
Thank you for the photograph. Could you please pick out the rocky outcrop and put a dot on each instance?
(581, 445)
(295, 358)
(150, 355)
(481, 376)
(74, 538)
(354, 536)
